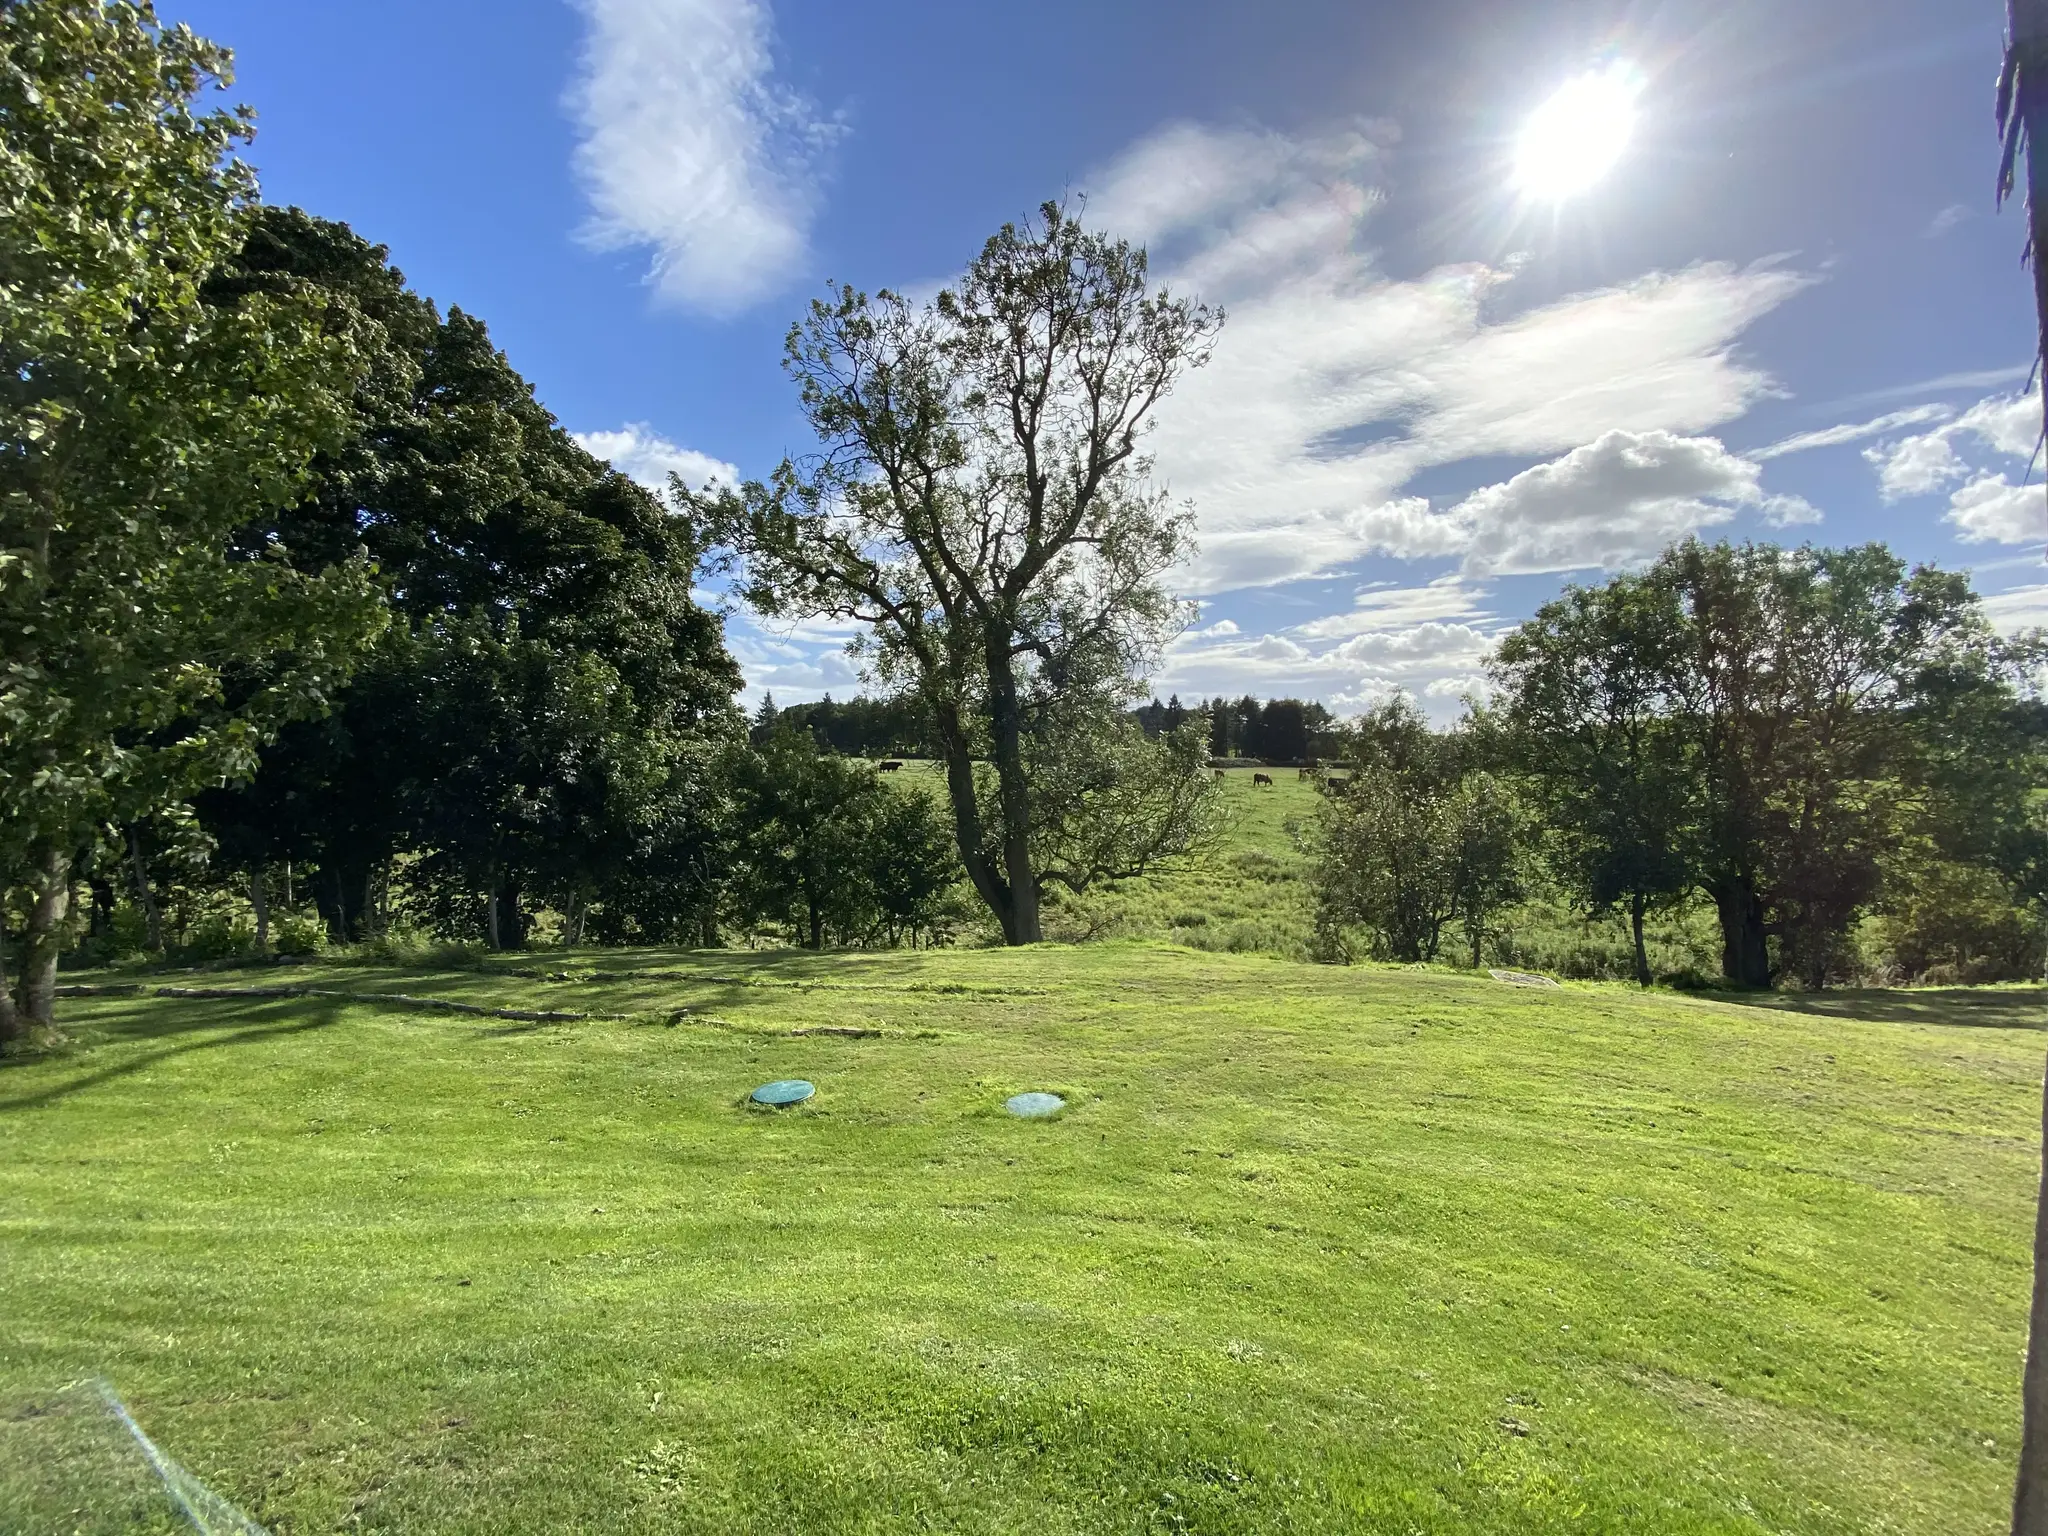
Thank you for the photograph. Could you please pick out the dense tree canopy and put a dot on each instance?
(143, 418)
(548, 681)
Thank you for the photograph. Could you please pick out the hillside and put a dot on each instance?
(1311, 1249)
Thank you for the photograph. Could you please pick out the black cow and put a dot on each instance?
(890, 767)
(1262, 778)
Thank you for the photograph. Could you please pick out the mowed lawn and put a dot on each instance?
(1312, 1249)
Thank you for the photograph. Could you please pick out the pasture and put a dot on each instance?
(1311, 1249)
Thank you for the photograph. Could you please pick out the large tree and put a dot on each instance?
(535, 721)
(142, 421)
(982, 504)
(1586, 716)
(1765, 725)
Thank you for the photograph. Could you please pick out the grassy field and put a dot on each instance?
(1311, 1250)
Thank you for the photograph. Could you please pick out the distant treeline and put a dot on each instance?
(1274, 730)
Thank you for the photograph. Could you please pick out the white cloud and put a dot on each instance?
(2018, 608)
(636, 449)
(1385, 606)
(1617, 501)
(1947, 219)
(1333, 385)
(1981, 378)
(1929, 462)
(1854, 431)
(691, 149)
(1991, 510)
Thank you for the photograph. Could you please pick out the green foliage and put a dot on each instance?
(833, 853)
(981, 506)
(546, 719)
(1769, 728)
(1418, 841)
(143, 419)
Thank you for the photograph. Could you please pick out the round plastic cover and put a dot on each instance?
(788, 1090)
(1035, 1106)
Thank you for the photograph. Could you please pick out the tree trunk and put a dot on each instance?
(572, 920)
(988, 882)
(1635, 923)
(493, 899)
(2030, 1491)
(39, 954)
(145, 897)
(12, 1030)
(260, 900)
(817, 922)
(1745, 954)
(1021, 923)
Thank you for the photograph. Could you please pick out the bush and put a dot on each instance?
(1958, 925)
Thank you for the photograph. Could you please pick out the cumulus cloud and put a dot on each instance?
(690, 149)
(1615, 502)
(636, 449)
(1334, 385)
(1991, 510)
(1928, 463)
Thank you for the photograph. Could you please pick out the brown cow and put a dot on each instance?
(1262, 778)
(890, 767)
(1221, 775)
(1304, 775)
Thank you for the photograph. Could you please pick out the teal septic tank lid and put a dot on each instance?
(788, 1090)
(1035, 1106)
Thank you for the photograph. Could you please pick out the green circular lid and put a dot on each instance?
(787, 1090)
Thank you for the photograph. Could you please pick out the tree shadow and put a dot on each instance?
(1943, 1007)
(224, 1031)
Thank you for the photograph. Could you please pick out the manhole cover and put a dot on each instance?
(788, 1090)
(1035, 1106)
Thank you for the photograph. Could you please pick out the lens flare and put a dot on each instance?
(1575, 138)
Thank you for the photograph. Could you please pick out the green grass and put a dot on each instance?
(1312, 1250)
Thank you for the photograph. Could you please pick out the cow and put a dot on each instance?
(890, 767)
(1302, 776)
(1262, 778)
(1337, 782)
(1221, 775)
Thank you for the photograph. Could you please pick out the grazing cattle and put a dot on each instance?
(1261, 778)
(890, 767)
(1337, 781)
(1221, 775)
(1302, 776)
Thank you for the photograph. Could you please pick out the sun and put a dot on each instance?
(1575, 137)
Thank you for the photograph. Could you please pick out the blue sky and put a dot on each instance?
(1789, 312)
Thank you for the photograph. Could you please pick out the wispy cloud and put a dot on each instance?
(1334, 386)
(1942, 384)
(1855, 431)
(1948, 219)
(692, 150)
(636, 449)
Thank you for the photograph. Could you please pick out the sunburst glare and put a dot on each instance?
(1575, 138)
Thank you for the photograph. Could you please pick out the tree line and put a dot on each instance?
(305, 596)
(1798, 738)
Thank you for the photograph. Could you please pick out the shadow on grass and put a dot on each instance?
(1947, 1007)
(222, 1027)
